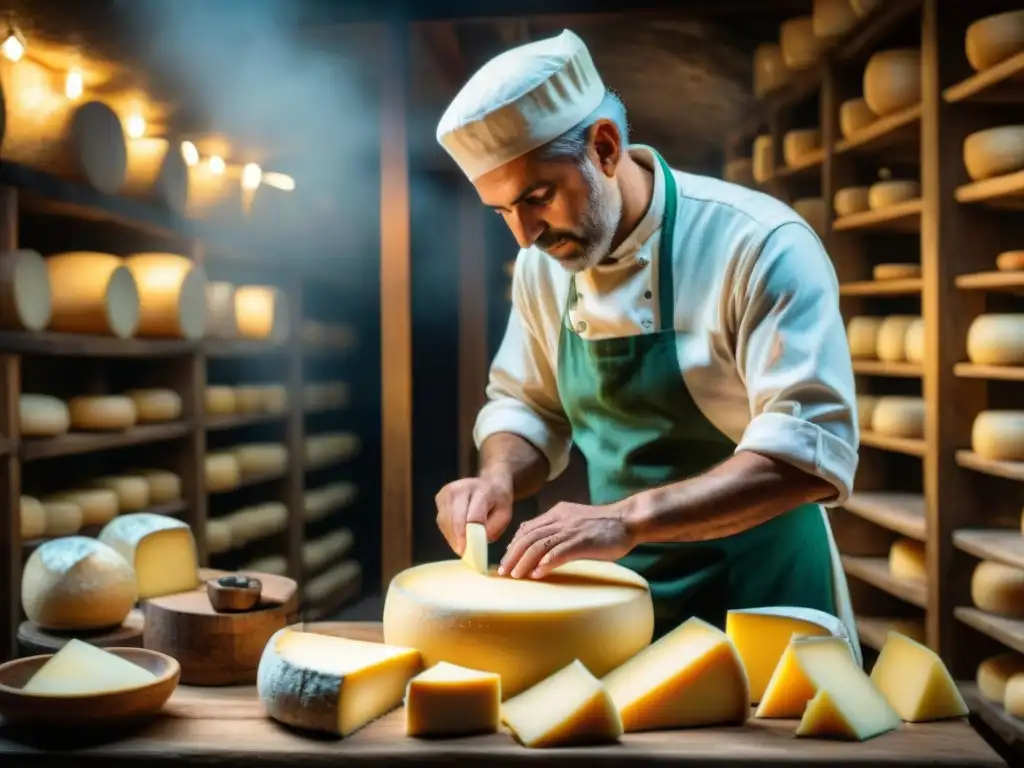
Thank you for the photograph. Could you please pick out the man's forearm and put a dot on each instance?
(746, 490)
(515, 463)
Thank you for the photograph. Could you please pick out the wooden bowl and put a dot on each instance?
(114, 707)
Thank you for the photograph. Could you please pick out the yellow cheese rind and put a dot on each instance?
(998, 588)
(995, 671)
(80, 669)
(160, 549)
(1013, 696)
(569, 708)
(43, 416)
(907, 560)
(172, 295)
(475, 553)
(33, 518)
(915, 682)
(331, 684)
(600, 612)
(99, 505)
(156, 405)
(132, 491)
(447, 700)
(788, 691)
(102, 412)
(999, 435)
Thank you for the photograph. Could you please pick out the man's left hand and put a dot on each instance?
(564, 533)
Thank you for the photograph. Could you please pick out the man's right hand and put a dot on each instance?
(473, 500)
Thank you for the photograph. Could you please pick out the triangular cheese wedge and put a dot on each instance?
(475, 553)
(915, 682)
(788, 691)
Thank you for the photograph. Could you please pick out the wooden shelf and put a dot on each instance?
(75, 443)
(905, 287)
(1006, 727)
(1008, 470)
(242, 348)
(1009, 632)
(875, 571)
(1003, 546)
(1001, 84)
(171, 509)
(901, 128)
(992, 281)
(997, 372)
(906, 445)
(237, 421)
(80, 345)
(903, 513)
(1001, 192)
(808, 165)
(904, 217)
(882, 368)
(873, 631)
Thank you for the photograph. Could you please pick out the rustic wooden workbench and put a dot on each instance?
(227, 727)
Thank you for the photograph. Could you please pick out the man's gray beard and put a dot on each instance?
(601, 218)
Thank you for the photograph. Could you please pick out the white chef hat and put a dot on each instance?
(518, 101)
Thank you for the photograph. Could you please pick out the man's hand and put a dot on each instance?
(564, 533)
(473, 500)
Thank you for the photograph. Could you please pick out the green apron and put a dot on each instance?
(638, 428)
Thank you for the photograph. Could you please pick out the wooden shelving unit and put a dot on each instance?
(965, 508)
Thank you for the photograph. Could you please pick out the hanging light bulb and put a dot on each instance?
(73, 84)
(279, 181)
(135, 126)
(189, 153)
(216, 165)
(251, 175)
(12, 47)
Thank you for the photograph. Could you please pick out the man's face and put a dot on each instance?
(569, 210)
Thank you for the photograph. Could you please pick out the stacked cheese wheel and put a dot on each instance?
(346, 575)
(1001, 680)
(996, 339)
(319, 553)
(316, 333)
(891, 339)
(250, 524)
(222, 400)
(891, 83)
(258, 312)
(47, 416)
(275, 564)
(999, 435)
(330, 447)
(226, 470)
(318, 503)
(325, 396)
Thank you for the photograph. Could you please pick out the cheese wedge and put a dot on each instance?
(692, 676)
(761, 635)
(847, 705)
(448, 700)
(159, 548)
(788, 691)
(570, 708)
(331, 684)
(915, 682)
(475, 553)
(80, 669)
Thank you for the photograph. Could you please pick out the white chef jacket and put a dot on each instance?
(761, 343)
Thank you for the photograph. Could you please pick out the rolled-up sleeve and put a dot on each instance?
(792, 352)
(522, 391)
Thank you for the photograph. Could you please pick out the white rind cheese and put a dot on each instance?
(43, 416)
(160, 549)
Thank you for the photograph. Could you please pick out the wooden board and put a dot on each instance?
(227, 727)
(33, 640)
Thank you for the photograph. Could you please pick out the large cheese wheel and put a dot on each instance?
(249, 399)
(895, 271)
(275, 398)
(814, 211)
(999, 589)
(218, 537)
(892, 80)
(43, 416)
(994, 152)
(157, 173)
(326, 448)
(261, 312)
(319, 553)
(63, 518)
(993, 673)
(832, 18)
(321, 502)
(851, 200)
(994, 39)
(33, 518)
(102, 412)
(600, 612)
(276, 564)
(99, 505)
(25, 299)
(891, 344)
(1010, 261)
(220, 401)
(77, 583)
(907, 560)
(93, 293)
(899, 416)
(770, 71)
(739, 171)
(332, 581)
(155, 405)
(854, 116)
(163, 485)
(800, 48)
(132, 491)
(220, 310)
(999, 435)
(996, 339)
(865, 410)
(172, 294)
(800, 142)
(222, 472)
(913, 342)
(862, 336)
(764, 159)
(884, 194)
(261, 458)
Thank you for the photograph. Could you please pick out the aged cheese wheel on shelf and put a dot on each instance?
(319, 553)
(261, 458)
(764, 159)
(164, 486)
(77, 583)
(249, 399)
(318, 503)
(994, 39)
(883, 194)
(275, 398)
(33, 518)
(172, 295)
(798, 143)
(26, 303)
(99, 505)
(160, 549)
(913, 342)
(770, 71)
(854, 116)
(1010, 261)
(996, 339)
(323, 449)
(895, 271)
(78, 141)
(261, 312)
(994, 152)
(43, 416)
(899, 416)
(832, 18)
(222, 472)
(907, 560)
(601, 613)
(221, 320)
(157, 173)
(916, 682)
(275, 564)
(155, 405)
(345, 576)
(740, 171)
(800, 48)
(865, 410)
(93, 293)
(132, 491)
(851, 200)
(891, 344)
(63, 518)
(256, 522)
(220, 401)
(999, 435)
(218, 537)
(993, 673)
(892, 80)
(813, 211)
(102, 412)
(862, 335)
(1013, 698)
(999, 589)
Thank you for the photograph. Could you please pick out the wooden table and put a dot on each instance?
(227, 727)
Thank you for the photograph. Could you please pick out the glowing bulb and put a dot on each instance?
(136, 126)
(279, 181)
(12, 48)
(216, 165)
(73, 84)
(251, 176)
(189, 153)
